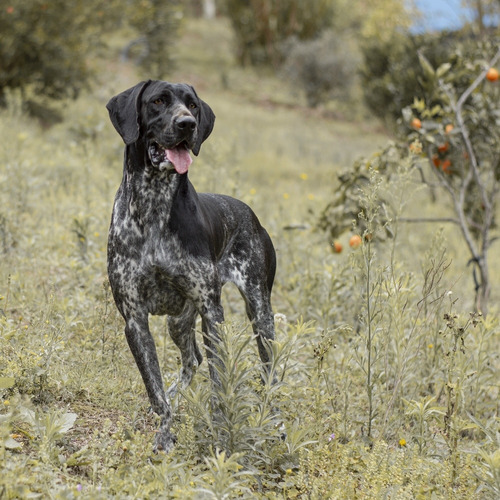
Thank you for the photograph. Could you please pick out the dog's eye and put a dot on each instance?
(158, 101)
(192, 106)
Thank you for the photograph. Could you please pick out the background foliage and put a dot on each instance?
(261, 26)
(39, 57)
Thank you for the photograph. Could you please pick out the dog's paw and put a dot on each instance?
(164, 442)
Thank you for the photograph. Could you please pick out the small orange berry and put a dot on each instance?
(337, 246)
(416, 123)
(449, 128)
(355, 241)
(492, 75)
(436, 160)
(446, 166)
(442, 148)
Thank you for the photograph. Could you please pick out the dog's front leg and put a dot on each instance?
(143, 348)
(212, 315)
(182, 332)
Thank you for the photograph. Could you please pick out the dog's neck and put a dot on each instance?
(152, 192)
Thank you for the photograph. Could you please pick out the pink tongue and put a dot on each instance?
(180, 159)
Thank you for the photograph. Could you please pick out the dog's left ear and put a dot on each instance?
(124, 112)
(206, 120)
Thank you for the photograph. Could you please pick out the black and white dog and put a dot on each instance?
(171, 249)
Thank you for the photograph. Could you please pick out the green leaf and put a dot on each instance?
(429, 72)
(12, 444)
(443, 69)
(66, 422)
(7, 382)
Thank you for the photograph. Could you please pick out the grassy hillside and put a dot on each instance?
(388, 386)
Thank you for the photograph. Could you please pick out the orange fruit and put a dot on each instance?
(446, 166)
(442, 148)
(449, 128)
(337, 246)
(436, 161)
(492, 75)
(355, 241)
(416, 123)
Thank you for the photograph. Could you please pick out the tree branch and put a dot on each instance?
(429, 219)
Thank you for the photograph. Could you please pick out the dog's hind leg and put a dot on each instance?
(182, 331)
(260, 313)
(143, 348)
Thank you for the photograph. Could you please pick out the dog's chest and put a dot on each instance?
(148, 264)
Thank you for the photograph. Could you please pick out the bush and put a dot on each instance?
(261, 26)
(37, 55)
(322, 67)
(157, 23)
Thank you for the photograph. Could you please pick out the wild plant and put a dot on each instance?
(372, 336)
(31, 351)
(81, 232)
(457, 376)
(423, 411)
(224, 478)
(488, 468)
(248, 413)
(47, 429)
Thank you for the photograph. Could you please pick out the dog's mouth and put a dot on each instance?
(164, 158)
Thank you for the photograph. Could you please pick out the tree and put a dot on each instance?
(261, 26)
(44, 45)
(454, 135)
(461, 141)
(156, 22)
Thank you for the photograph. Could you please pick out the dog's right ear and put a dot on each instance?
(124, 112)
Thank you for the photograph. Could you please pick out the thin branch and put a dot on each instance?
(429, 219)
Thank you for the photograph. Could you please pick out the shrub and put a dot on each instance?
(40, 57)
(322, 67)
(261, 26)
(156, 23)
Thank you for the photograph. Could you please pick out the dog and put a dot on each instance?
(171, 249)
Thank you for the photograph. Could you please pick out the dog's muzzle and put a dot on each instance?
(177, 158)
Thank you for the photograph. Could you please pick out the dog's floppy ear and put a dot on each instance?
(206, 120)
(124, 112)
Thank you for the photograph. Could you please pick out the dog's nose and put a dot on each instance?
(185, 123)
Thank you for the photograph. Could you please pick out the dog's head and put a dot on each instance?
(169, 118)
